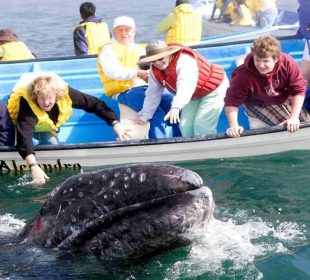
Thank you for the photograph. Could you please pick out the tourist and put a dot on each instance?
(199, 87)
(11, 48)
(91, 33)
(182, 25)
(270, 86)
(40, 104)
(241, 14)
(305, 69)
(123, 80)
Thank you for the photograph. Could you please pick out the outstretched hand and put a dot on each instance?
(173, 115)
(122, 132)
(292, 124)
(234, 131)
(39, 177)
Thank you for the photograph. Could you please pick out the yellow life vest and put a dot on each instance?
(44, 122)
(246, 19)
(128, 57)
(230, 8)
(97, 34)
(15, 51)
(187, 27)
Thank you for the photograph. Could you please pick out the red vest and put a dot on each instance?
(209, 78)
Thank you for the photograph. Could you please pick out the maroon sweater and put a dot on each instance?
(27, 120)
(248, 86)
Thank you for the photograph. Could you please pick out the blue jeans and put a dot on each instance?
(134, 99)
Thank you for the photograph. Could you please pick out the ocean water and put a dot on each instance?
(260, 229)
(261, 224)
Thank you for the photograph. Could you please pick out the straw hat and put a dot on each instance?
(157, 50)
(8, 35)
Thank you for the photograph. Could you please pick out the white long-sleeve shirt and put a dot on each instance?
(187, 78)
(114, 69)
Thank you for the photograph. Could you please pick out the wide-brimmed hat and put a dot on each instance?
(124, 20)
(157, 50)
(8, 35)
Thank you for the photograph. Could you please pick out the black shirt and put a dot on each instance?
(27, 120)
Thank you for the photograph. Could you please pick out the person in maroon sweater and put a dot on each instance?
(270, 86)
(37, 110)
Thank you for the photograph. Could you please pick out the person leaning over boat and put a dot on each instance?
(7, 132)
(270, 86)
(123, 80)
(11, 48)
(199, 87)
(182, 25)
(91, 33)
(40, 104)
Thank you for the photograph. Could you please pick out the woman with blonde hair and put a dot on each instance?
(40, 104)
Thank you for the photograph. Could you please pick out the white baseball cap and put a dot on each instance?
(124, 20)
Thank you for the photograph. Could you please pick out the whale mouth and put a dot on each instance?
(122, 210)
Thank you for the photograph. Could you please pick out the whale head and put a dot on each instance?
(125, 211)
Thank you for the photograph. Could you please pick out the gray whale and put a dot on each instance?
(126, 211)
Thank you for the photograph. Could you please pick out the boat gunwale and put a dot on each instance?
(146, 142)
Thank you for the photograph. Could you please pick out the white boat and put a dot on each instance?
(81, 147)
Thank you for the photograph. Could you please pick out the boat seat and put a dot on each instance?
(136, 131)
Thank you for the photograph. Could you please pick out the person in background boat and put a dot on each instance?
(241, 15)
(199, 87)
(11, 48)
(270, 86)
(123, 80)
(7, 132)
(265, 12)
(226, 8)
(182, 25)
(40, 104)
(91, 33)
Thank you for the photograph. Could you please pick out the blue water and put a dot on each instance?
(261, 222)
(260, 228)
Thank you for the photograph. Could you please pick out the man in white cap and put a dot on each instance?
(123, 80)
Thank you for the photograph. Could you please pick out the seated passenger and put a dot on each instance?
(182, 25)
(91, 33)
(199, 87)
(124, 81)
(241, 15)
(11, 48)
(270, 86)
(39, 106)
(7, 133)
(226, 8)
(264, 12)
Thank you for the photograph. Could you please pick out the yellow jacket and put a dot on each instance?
(246, 18)
(97, 34)
(128, 58)
(183, 25)
(261, 5)
(44, 122)
(15, 51)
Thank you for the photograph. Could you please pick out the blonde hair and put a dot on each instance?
(45, 85)
(265, 46)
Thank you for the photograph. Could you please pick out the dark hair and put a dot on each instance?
(179, 2)
(87, 9)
